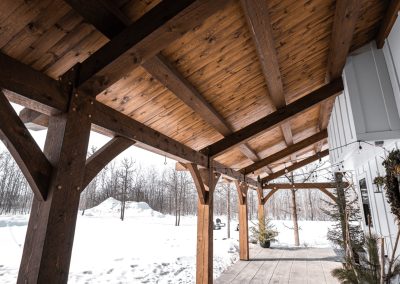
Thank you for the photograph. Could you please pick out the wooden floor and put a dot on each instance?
(284, 265)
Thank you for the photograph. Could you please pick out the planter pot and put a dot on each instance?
(265, 244)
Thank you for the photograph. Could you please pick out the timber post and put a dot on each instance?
(49, 238)
(243, 220)
(205, 181)
(261, 203)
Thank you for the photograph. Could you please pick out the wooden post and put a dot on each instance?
(205, 181)
(49, 238)
(261, 203)
(243, 221)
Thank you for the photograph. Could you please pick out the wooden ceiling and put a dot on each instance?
(214, 80)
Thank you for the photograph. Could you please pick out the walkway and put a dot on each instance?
(284, 265)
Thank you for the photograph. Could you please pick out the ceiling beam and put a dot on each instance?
(257, 17)
(31, 88)
(344, 24)
(295, 166)
(154, 141)
(166, 74)
(304, 185)
(285, 152)
(100, 14)
(274, 119)
(387, 22)
(111, 122)
(143, 39)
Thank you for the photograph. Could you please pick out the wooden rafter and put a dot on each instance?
(150, 139)
(142, 40)
(387, 23)
(274, 119)
(295, 166)
(102, 14)
(111, 122)
(158, 66)
(257, 16)
(304, 185)
(346, 15)
(29, 157)
(103, 156)
(166, 74)
(285, 152)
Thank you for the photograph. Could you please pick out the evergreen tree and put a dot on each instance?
(346, 215)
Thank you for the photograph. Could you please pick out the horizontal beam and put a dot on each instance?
(274, 119)
(304, 185)
(295, 166)
(387, 23)
(113, 123)
(285, 152)
(322, 189)
(152, 140)
(27, 154)
(105, 16)
(143, 39)
(31, 88)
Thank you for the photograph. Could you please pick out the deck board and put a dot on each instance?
(284, 265)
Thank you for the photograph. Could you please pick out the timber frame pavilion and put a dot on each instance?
(232, 88)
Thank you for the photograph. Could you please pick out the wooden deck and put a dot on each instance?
(284, 265)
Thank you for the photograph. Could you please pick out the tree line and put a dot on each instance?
(165, 190)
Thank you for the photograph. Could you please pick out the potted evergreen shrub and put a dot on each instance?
(264, 233)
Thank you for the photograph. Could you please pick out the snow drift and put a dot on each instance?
(111, 207)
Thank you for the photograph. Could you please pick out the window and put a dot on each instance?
(365, 201)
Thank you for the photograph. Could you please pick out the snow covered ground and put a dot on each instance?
(145, 248)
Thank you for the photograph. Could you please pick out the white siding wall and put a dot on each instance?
(369, 110)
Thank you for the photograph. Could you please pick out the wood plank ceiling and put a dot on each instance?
(244, 62)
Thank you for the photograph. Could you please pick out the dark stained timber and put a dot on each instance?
(274, 119)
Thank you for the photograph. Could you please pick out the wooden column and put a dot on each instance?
(243, 221)
(261, 203)
(205, 181)
(49, 238)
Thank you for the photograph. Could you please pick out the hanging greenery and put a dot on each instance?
(392, 166)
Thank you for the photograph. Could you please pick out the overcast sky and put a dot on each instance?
(143, 157)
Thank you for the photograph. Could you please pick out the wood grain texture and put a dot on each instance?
(96, 162)
(387, 23)
(257, 16)
(295, 166)
(30, 88)
(159, 67)
(346, 15)
(275, 119)
(27, 154)
(243, 220)
(142, 40)
(285, 152)
(52, 223)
